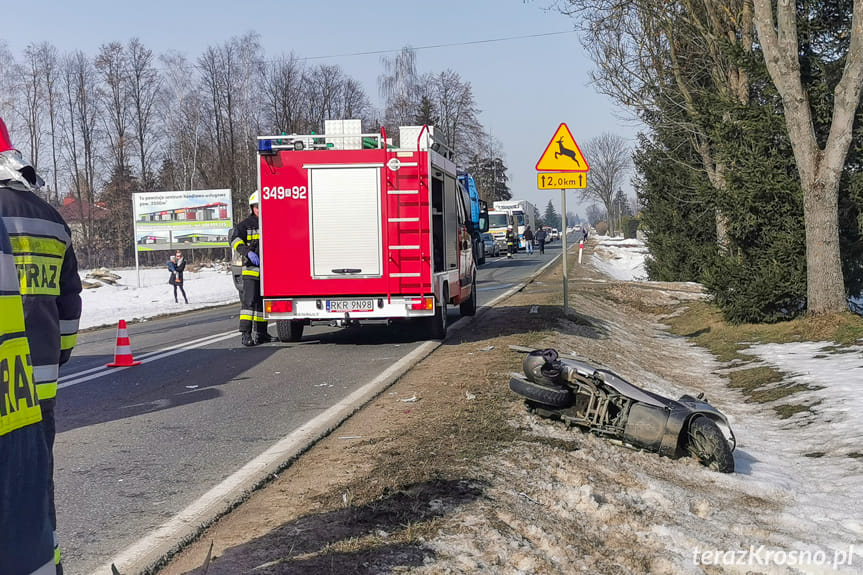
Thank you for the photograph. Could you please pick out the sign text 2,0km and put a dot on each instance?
(561, 181)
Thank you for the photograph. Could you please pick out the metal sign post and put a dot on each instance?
(135, 246)
(563, 240)
(568, 166)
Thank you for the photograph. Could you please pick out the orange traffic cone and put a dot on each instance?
(122, 350)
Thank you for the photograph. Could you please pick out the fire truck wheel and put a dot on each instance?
(468, 306)
(437, 323)
(290, 330)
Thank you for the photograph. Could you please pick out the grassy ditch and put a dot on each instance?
(703, 323)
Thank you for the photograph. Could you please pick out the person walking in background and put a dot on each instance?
(540, 239)
(50, 289)
(179, 267)
(26, 542)
(528, 239)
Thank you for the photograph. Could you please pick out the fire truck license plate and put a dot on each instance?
(340, 305)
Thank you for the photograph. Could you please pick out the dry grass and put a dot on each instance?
(372, 505)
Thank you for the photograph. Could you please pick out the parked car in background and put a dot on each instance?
(491, 247)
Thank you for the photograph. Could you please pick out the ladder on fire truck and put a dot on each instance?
(407, 232)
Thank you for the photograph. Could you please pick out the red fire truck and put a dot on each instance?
(353, 229)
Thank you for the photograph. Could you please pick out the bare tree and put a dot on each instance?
(324, 89)
(609, 160)
(228, 73)
(331, 94)
(595, 214)
(397, 87)
(653, 56)
(284, 99)
(489, 170)
(426, 101)
(248, 105)
(80, 136)
(114, 92)
(820, 168)
(144, 84)
(48, 69)
(457, 115)
(180, 114)
(28, 85)
(7, 76)
(216, 68)
(354, 102)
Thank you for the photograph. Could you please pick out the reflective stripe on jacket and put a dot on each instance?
(49, 282)
(246, 238)
(19, 405)
(26, 541)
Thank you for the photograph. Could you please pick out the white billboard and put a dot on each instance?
(182, 219)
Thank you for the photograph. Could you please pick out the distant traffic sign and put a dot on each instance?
(561, 181)
(562, 154)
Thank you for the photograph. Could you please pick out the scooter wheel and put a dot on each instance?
(546, 395)
(706, 443)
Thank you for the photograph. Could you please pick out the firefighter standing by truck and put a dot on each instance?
(49, 283)
(26, 542)
(246, 241)
(511, 242)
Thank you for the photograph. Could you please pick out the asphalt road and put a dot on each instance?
(135, 446)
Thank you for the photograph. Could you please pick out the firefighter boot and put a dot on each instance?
(263, 337)
(247, 340)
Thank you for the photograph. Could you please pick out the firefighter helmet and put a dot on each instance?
(541, 366)
(253, 199)
(5, 142)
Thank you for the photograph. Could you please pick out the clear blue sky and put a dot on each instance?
(524, 87)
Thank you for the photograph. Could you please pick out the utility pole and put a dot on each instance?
(493, 168)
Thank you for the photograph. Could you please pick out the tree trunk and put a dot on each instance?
(819, 170)
(825, 287)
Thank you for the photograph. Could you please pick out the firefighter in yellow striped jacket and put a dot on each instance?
(49, 282)
(26, 542)
(245, 239)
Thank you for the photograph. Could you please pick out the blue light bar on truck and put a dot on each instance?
(265, 147)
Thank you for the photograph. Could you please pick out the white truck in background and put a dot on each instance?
(498, 220)
(522, 212)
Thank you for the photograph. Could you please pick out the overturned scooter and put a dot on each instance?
(602, 402)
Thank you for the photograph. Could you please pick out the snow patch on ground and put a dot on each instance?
(107, 304)
(620, 258)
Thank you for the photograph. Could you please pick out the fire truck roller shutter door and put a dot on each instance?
(346, 221)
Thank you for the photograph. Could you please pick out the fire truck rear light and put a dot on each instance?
(425, 303)
(279, 306)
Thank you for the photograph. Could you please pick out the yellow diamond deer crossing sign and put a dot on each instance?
(562, 154)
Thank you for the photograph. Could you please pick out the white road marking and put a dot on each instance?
(97, 372)
(169, 537)
(224, 496)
